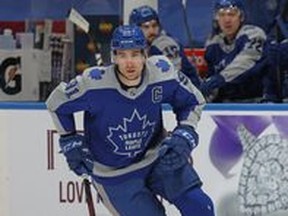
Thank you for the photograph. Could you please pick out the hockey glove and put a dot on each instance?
(176, 149)
(77, 155)
(213, 82)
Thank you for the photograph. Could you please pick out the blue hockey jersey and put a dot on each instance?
(123, 128)
(240, 63)
(168, 46)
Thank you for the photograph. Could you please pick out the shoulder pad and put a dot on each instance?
(101, 75)
(94, 73)
(252, 31)
(98, 73)
(216, 39)
(163, 41)
(160, 66)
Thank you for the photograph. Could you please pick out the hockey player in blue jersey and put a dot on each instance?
(160, 43)
(237, 70)
(125, 148)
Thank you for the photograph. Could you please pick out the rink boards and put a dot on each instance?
(242, 170)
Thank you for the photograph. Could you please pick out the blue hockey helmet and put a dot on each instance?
(128, 37)
(143, 14)
(230, 4)
(226, 4)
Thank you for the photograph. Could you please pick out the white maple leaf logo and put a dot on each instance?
(131, 137)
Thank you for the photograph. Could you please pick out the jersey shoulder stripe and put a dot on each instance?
(216, 39)
(160, 68)
(163, 41)
(251, 32)
(99, 77)
(91, 79)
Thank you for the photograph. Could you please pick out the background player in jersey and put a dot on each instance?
(160, 43)
(237, 72)
(124, 141)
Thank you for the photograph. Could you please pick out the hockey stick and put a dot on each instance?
(89, 198)
(76, 18)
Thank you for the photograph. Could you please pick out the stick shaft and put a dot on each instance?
(76, 18)
(89, 198)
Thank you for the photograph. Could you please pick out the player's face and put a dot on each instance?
(130, 64)
(229, 21)
(151, 30)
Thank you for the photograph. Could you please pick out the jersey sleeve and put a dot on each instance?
(171, 48)
(184, 97)
(67, 99)
(165, 45)
(243, 60)
(187, 101)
